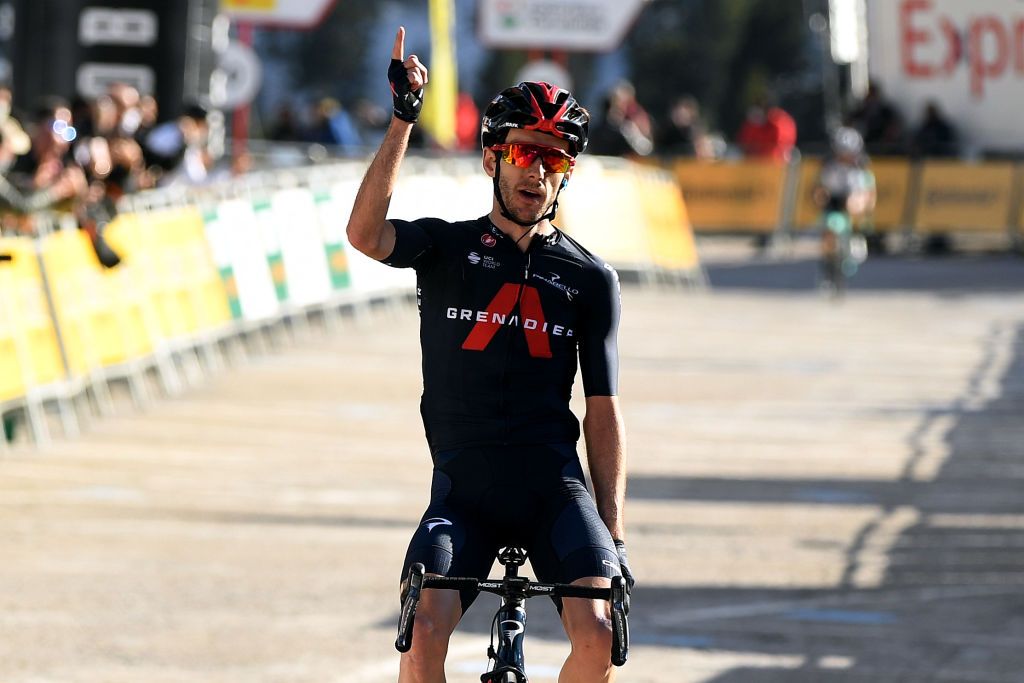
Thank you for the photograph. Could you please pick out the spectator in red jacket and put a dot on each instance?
(768, 132)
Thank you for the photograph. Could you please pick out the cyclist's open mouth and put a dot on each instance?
(531, 196)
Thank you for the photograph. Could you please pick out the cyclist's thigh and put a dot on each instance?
(571, 541)
(450, 540)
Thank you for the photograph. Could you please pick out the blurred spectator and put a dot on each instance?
(334, 127)
(149, 116)
(768, 132)
(683, 134)
(129, 115)
(467, 123)
(373, 121)
(936, 136)
(48, 166)
(625, 129)
(179, 148)
(879, 123)
(284, 127)
(13, 143)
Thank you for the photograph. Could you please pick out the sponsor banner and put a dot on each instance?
(302, 248)
(958, 196)
(332, 232)
(368, 275)
(266, 225)
(221, 252)
(238, 250)
(732, 196)
(591, 25)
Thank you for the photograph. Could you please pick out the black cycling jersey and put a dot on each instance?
(501, 329)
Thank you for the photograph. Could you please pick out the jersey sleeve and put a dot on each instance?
(414, 245)
(598, 343)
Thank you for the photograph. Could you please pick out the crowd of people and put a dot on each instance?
(768, 131)
(78, 158)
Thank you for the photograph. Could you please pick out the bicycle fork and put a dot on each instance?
(508, 661)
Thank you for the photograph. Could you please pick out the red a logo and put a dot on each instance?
(531, 319)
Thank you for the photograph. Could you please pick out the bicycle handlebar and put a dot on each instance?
(617, 596)
(531, 589)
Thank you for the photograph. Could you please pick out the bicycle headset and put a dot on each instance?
(534, 106)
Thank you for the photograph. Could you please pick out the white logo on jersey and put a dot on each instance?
(436, 521)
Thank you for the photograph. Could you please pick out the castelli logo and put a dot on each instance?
(488, 240)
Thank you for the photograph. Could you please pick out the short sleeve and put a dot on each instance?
(598, 343)
(413, 246)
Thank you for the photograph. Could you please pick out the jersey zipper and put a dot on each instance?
(510, 340)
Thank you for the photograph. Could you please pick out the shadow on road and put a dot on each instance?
(950, 603)
(947, 275)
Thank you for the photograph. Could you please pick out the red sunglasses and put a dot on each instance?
(522, 155)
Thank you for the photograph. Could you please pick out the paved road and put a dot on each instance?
(818, 493)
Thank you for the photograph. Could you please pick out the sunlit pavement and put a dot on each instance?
(818, 492)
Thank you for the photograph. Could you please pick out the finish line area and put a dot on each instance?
(817, 493)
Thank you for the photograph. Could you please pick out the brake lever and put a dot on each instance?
(409, 604)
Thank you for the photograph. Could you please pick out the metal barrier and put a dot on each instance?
(203, 267)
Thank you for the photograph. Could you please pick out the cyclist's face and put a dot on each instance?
(527, 191)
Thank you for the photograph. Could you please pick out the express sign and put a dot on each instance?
(968, 56)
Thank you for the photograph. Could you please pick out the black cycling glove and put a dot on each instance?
(620, 549)
(408, 102)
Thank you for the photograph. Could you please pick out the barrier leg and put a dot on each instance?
(168, 374)
(36, 417)
(68, 417)
(101, 394)
(137, 385)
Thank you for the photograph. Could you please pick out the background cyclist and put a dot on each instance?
(510, 307)
(846, 194)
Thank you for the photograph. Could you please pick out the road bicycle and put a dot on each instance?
(506, 663)
(844, 250)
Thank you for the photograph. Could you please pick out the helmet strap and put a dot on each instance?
(508, 214)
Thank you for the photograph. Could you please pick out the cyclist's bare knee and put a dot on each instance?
(588, 625)
(437, 615)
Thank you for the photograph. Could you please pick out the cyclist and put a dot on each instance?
(507, 304)
(846, 194)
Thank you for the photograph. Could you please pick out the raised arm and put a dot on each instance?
(368, 228)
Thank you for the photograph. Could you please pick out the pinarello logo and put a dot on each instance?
(488, 240)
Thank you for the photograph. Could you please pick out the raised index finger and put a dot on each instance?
(398, 51)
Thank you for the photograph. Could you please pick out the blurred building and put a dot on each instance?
(76, 48)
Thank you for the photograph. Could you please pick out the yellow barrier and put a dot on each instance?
(29, 351)
(668, 224)
(893, 179)
(808, 213)
(633, 216)
(85, 310)
(601, 208)
(729, 196)
(892, 182)
(958, 196)
(167, 253)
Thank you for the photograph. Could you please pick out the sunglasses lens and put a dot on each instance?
(523, 156)
(555, 162)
